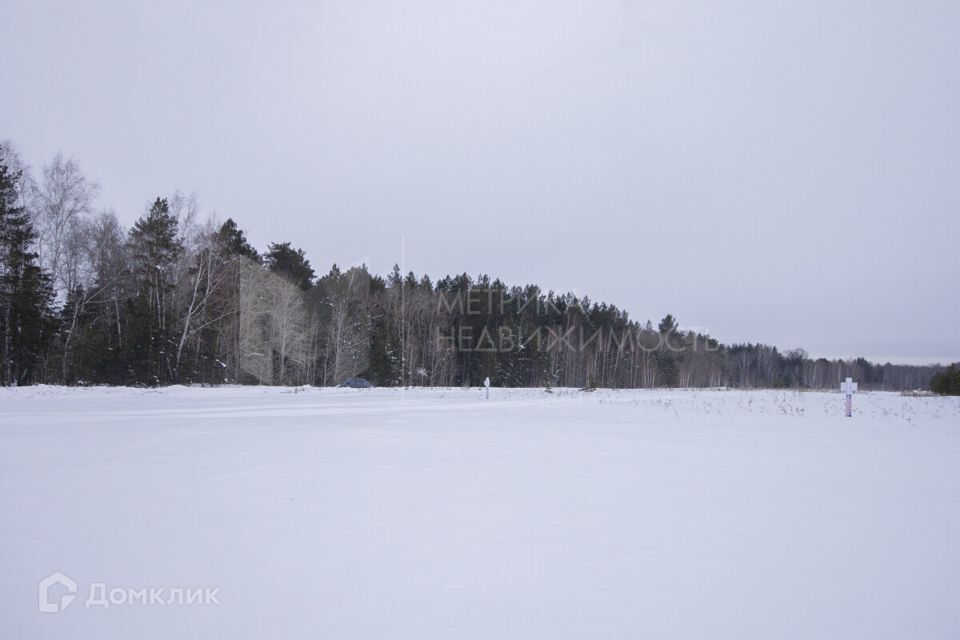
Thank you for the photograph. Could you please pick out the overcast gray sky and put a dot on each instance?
(786, 172)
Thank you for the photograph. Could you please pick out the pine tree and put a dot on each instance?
(155, 248)
(233, 242)
(290, 263)
(947, 382)
(668, 325)
(668, 371)
(26, 319)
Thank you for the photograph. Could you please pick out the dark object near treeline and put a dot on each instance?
(355, 383)
(947, 382)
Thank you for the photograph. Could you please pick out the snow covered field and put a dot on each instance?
(434, 514)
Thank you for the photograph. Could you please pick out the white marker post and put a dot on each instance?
(486, 383)
(849, 387)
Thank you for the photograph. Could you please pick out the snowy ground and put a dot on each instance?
(434, 514)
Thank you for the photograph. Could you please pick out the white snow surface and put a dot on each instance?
(435, 514)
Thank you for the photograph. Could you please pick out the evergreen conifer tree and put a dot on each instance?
(26, 319)
(291, 263)
(155, 248)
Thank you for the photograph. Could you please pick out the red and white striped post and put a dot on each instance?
(849, 387)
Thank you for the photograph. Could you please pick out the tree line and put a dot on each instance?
(181, 299)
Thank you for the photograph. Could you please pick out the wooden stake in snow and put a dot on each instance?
(849, 387)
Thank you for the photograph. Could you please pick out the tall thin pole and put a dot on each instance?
(403, 318)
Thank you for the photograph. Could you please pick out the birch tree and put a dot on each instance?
(60, 199)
